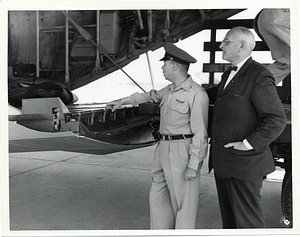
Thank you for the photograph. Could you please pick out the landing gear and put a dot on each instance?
(286, 200)
(283, 154)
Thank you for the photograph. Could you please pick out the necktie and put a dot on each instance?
(232, 68)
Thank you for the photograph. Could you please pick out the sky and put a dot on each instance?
(117, 85)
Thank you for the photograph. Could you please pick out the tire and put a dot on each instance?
(287, 200)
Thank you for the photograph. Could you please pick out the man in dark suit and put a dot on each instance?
(247, 117)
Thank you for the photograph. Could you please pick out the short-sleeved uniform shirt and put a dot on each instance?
(183, 110)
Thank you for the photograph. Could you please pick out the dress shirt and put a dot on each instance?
(183, 110)
(233, 73)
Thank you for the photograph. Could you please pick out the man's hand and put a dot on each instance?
(114, 105)
(237, 145)
(189, 174)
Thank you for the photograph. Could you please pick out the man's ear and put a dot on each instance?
(174, 67)
(242, 46)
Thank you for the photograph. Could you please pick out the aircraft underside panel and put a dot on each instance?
(64, 141)
(47, 124)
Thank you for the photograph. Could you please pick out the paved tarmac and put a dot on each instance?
(72, 191)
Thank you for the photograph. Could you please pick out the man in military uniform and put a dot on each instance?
(182, 148)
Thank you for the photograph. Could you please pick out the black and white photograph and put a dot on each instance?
(149, 118)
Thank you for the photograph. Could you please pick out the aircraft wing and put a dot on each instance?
(51, 53)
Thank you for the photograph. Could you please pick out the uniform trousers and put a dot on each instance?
(240, 203)
(173, 201)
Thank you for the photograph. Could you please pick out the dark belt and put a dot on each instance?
(174, 137)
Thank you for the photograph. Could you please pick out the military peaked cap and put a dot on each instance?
(176, 54)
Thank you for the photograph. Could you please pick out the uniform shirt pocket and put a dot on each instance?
(178, 113)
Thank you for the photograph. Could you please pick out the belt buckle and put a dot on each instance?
(170, 138)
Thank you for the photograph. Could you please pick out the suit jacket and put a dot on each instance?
(248, 108)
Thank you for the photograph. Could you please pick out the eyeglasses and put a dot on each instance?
(226, 41)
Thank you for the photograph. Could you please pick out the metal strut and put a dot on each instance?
(88, 37)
